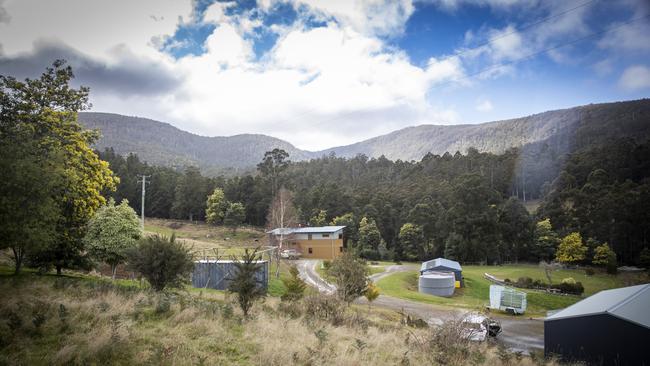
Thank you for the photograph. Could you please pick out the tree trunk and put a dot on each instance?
(18, 259)
(58, 270)
(113, 270)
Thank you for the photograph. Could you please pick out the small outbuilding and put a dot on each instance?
(217, 274)
(444, 265)
(611, 327)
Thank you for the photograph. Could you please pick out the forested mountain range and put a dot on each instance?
(555, 132)
(160, 143)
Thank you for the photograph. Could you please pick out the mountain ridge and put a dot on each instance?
(161, 143)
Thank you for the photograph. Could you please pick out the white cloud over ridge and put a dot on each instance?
(635, 77)
(316, 87)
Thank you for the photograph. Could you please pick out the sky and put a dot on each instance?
(325, 73)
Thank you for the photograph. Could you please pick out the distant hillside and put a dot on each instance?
(160, 143)
(564, 129)
(561, 131)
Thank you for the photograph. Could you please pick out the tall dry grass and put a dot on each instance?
(74, 321)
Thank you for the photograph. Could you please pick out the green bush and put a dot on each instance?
(569, 280)
(327, 264)
(295, 286)
(589, 271)
(570, 286)
(244, 281)
(525, 282)
(163, 261)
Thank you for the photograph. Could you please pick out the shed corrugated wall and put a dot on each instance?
(216, 275)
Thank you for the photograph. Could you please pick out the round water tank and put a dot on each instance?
(437, 283)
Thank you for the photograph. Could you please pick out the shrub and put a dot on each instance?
(323, 307)
(371, 293)
(327, 264)
(163, 261)
(369, 254)
(507, 280)
(589, 271)
(350, 274)
(570, 286)
(244, 281)
(525, 282)
(569, 280)
(295, 286)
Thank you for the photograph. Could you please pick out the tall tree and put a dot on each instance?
(191, 193)
(571, 249)
(319, 219)
(43, 113)
(369, 238)
(351, 231)
(516, 229)
(282, 215)
(216, 207)
(234, 216)
(412, 241)
(272, 165)
(546, 241)
(112, 232)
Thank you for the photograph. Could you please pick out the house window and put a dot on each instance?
(341, 249)
(326, 235)
(308, 236)
(310, 251)
(340, 236)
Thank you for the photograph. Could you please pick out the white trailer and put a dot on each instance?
(507, 299)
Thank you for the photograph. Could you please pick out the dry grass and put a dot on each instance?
(106, 324)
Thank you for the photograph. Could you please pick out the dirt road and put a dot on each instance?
(519, 333)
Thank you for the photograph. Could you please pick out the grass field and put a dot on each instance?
(77, 319)
(203, 238)
(477, 288)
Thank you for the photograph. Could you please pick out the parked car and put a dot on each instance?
(290, 254)
(477, 327)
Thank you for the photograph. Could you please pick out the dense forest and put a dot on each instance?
(464, 206)
(544, 141)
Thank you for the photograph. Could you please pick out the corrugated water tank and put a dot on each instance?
(217, 274)
(437, 284)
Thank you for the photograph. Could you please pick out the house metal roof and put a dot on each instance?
(628, 303)
(440, 262)
(306, 230)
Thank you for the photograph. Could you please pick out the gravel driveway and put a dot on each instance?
(519, 333)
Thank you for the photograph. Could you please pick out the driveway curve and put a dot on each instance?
(519, 333)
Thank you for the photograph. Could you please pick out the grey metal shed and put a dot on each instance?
(216, 274)
(611, 327)
(444, 265)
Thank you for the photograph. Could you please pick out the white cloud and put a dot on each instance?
(635, 78)
(96, 28)
(632, 37)
(370, 17)
(484, 106)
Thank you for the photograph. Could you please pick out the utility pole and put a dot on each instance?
(143, 178)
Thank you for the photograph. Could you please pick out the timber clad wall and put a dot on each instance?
(321, 249)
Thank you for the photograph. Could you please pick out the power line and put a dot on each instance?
(543, 20)
(500, 65)
(489, 41)
(143, 179)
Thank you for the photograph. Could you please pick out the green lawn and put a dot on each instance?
(477, 289)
